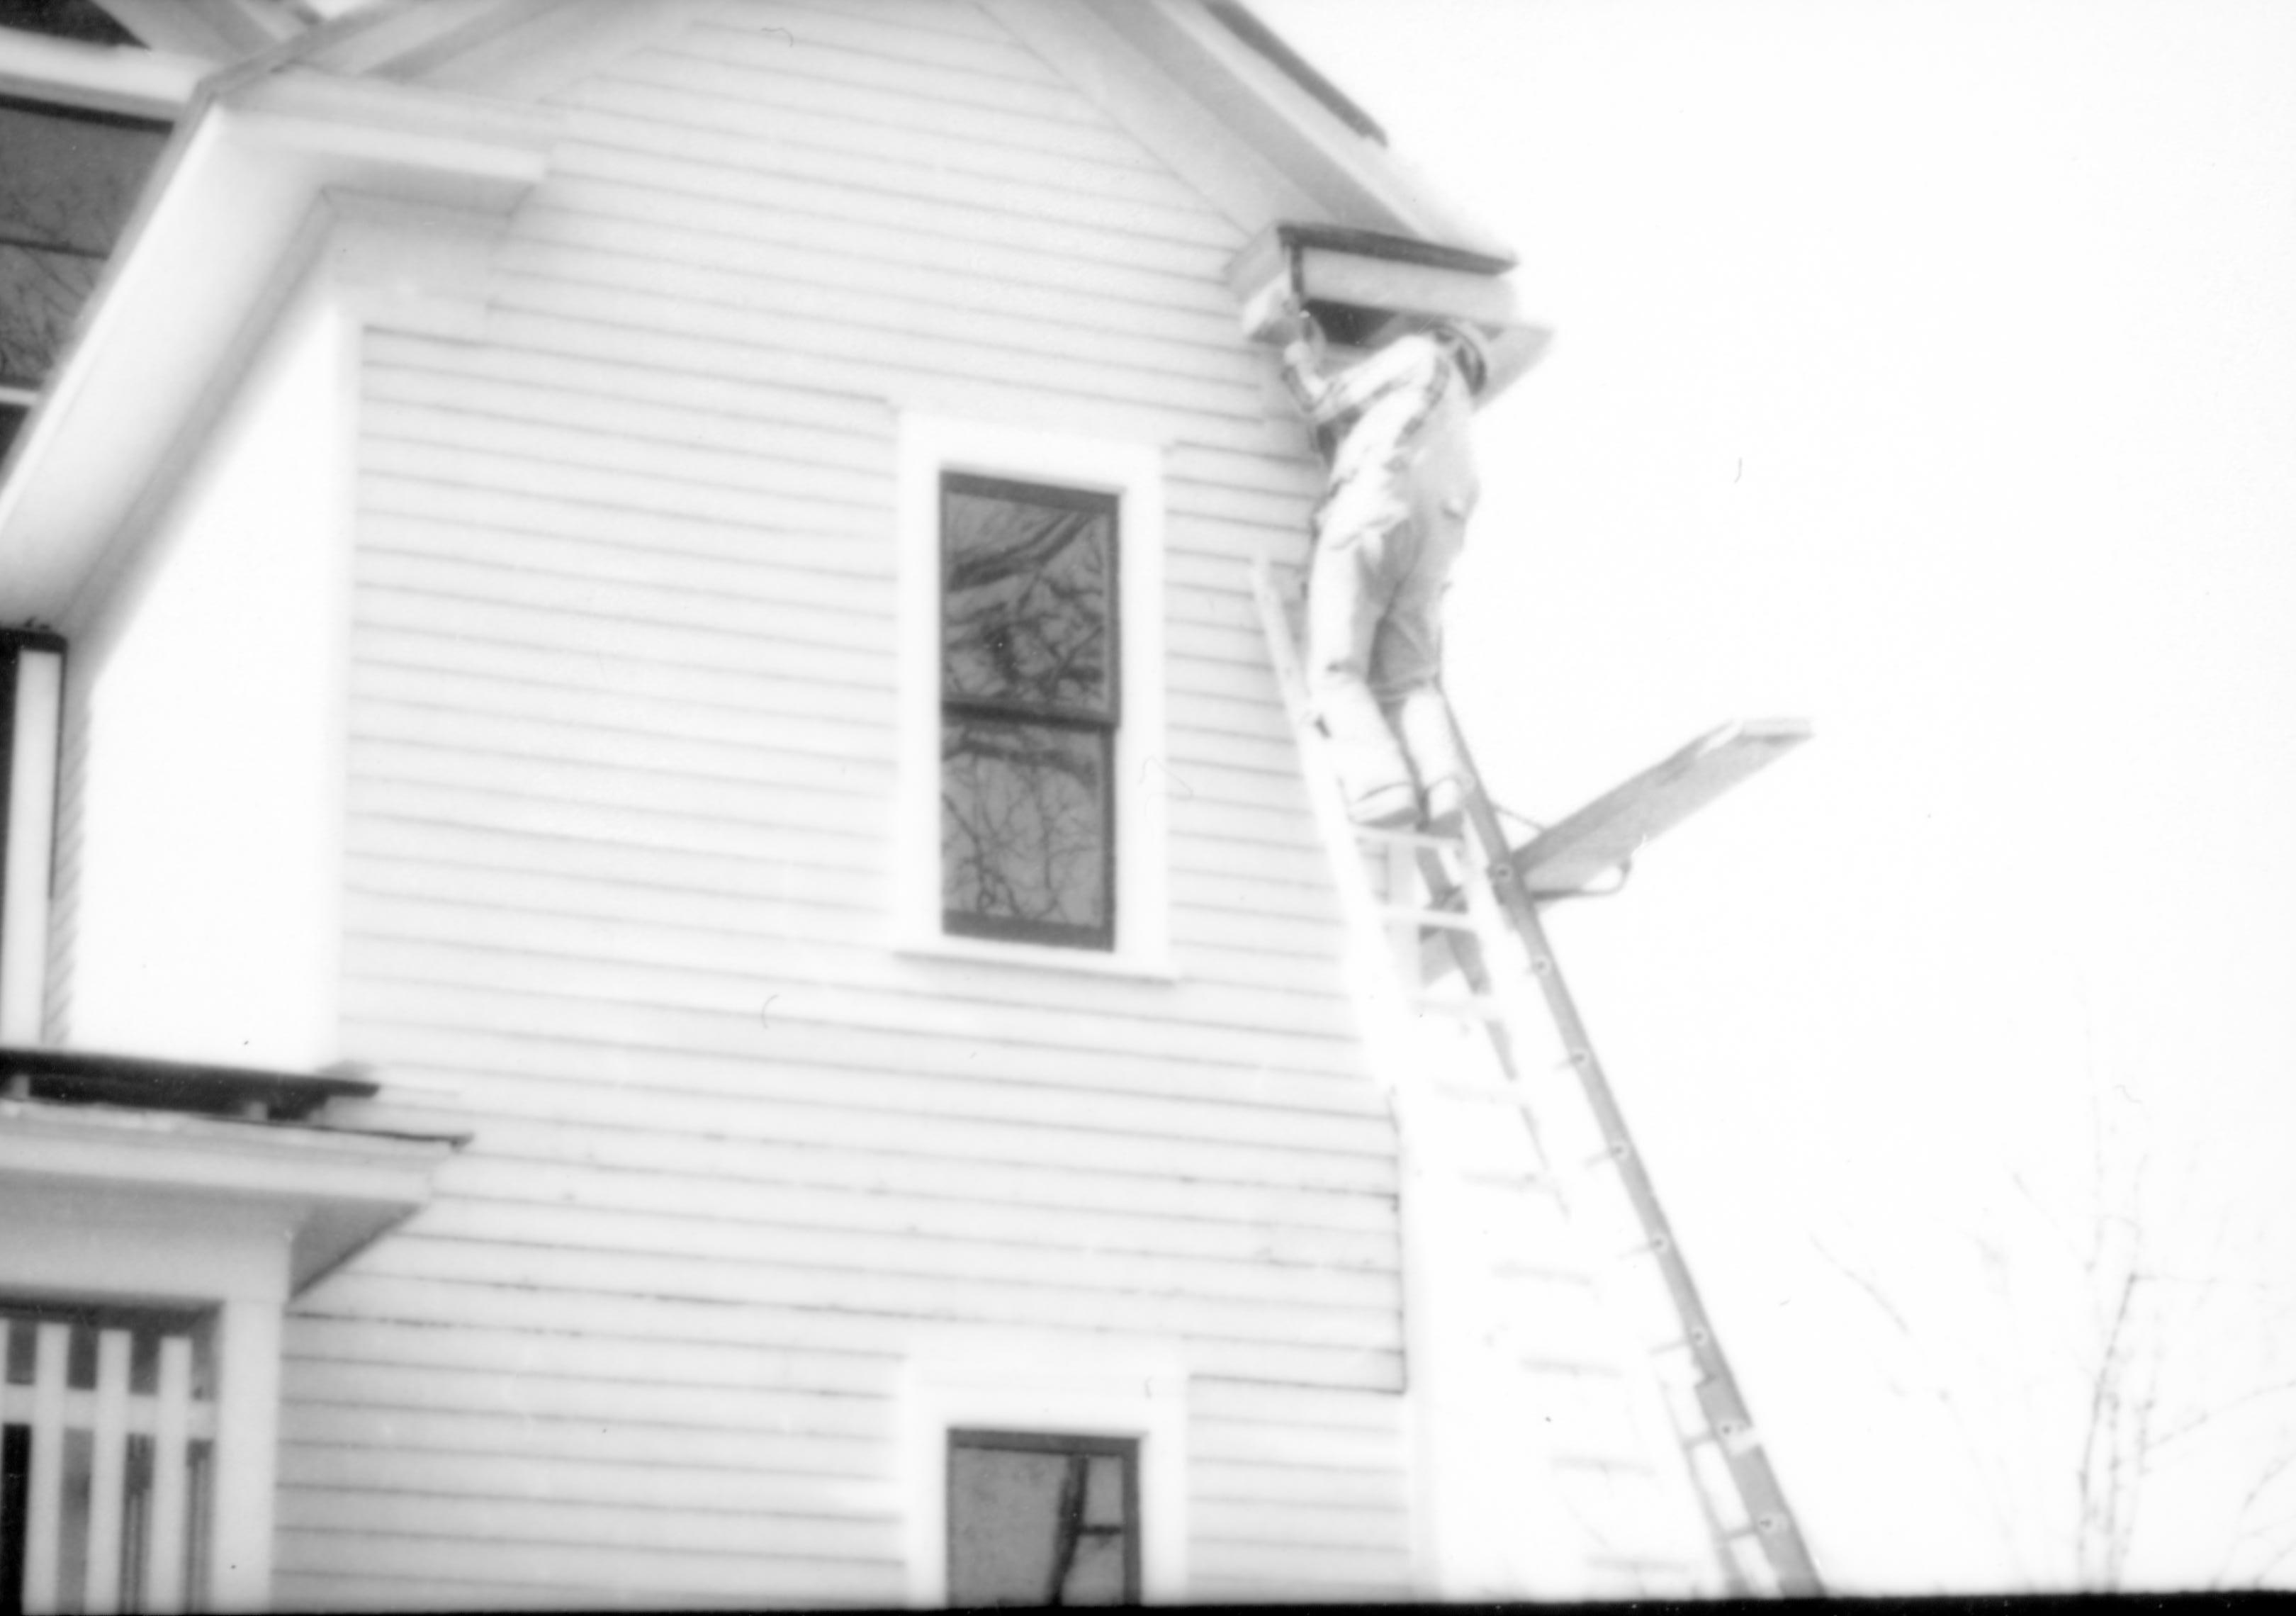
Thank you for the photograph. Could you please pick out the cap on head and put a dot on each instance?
(1470, 346)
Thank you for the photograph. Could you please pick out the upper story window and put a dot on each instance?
(1030, 710)
(1031, 812)
(69, 179)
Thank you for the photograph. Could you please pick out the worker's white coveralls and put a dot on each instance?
(1391, 524)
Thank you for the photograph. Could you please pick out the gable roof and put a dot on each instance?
(311, 97)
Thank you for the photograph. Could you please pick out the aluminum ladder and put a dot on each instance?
(1478, 910)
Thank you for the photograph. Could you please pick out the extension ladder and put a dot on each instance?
(1477, 911)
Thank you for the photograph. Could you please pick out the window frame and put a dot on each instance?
(31, 733)
(1126, 1448)
(1015, 1380)
(1059, 934)
(929, 448)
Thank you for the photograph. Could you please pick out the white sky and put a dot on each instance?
(1925, 368)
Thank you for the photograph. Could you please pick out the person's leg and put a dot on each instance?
(1408, 670)
(1349, 593)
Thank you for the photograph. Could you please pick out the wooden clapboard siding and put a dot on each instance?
(618, 891)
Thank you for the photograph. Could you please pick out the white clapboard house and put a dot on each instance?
(662, 938)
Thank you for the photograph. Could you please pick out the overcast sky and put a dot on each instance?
(1926, 369)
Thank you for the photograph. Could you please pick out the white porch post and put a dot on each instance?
(246, 1451)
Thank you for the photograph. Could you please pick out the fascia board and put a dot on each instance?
(202, 266)
(1354, 179)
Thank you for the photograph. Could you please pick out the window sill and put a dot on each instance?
(1139, 965)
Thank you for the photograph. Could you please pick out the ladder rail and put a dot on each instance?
(1718, 1396)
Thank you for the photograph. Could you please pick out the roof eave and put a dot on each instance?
(1347, 172)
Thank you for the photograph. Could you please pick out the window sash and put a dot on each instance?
(1096, 722)
(1124, 1450)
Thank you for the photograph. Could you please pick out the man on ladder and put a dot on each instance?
(1396, 432)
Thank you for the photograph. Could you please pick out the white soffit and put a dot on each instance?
(223, 237)
(334, 1192)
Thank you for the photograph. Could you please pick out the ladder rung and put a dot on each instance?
(1427, 842)
(1445, 920)
(1476, 1009)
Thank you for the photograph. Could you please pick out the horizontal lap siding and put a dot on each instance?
(623, 733)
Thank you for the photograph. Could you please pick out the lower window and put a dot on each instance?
(1043, 1520)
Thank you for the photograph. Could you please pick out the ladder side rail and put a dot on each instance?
(1717, 1391)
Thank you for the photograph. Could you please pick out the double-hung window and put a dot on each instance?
(1035, 786)
(1030, 691)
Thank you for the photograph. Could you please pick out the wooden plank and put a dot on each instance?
(728, 417)
(974, 119)
(592, 1133)
(1213, 1485)
(990, 1081)
(423, 612)
(379, 801)
(775, 119)
(656, 1402)
(766, 761)
(861, 356)
(43, 1506)
(862, 733)
(662, 684)
(1589, 844)
(661, 122)
(165, 1584)
(690, 610)
(705, 1491)
(1315, 1346)
(847, 1380)
(107, 1472)
(688, 1530)
(826, 1127)
(639, 1575)
(841, 430)
(584, 207)
(984, 391)
(829, 50)
(761, 511)
(457, 1433)
(923, 1251)
(817, 1350)
(823, 984)
(760, 469)
(785, 1207)
(831, 276)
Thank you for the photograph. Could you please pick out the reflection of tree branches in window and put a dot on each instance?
(66, 184)
(1026, 607)
(1024, 834)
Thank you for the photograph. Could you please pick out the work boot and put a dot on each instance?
(1387, 807)
(1447, 806)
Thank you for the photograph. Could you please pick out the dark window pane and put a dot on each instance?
(1026, 831)
(1041, 1522)
(68, 182)
(1028, 596)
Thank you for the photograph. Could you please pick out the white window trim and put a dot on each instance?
(31, 846)
(1017, 1382)
(1135, 473)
